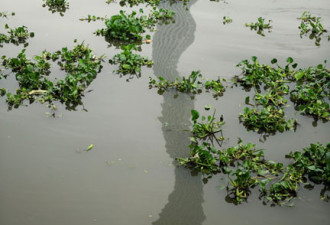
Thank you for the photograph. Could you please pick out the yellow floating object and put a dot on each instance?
(37, 92)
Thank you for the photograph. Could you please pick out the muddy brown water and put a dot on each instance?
(130, 176)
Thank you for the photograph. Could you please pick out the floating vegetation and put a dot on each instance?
(202, 150)
(311, 91)
(6, 14)
(311, 26)
(130, 63)
(132, 3)
(16, 36)
(93, 18)
(123, 27)
(269, 118)
(128, 28)
(226, 20)
(59, 6)
(90, 147)
(80, 65)
(260, 26)
(310, 88)
(247, 167)
(192, 84)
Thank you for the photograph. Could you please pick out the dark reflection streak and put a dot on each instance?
(184, 205)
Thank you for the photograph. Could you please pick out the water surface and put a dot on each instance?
(129, 177)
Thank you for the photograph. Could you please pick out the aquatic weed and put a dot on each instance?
(312, 26)
(260, 26)
(80, 65)
(54, 6)
(130, 63)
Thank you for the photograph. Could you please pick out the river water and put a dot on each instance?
(130, 176)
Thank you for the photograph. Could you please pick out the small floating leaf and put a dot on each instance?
(90, 148)
(207, 107)
(194, 114)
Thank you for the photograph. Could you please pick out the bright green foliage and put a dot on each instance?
(160, 16)
(130, 63)
(247, 168)
(311, 91)
(132, 3)
(6, 14)
(256, 75)
(313, 162)
(207, 128)
(203, 134)
(226, 20)
(260, 26)
(311, 25)
(268, 120)
(215, 86)
(130, 27)
(93, 18)
(81, 67)
(192, 84)
(267, 114)
(59, 6)
(89, 148)
(310, 88)
(124, 27)
(16, 36)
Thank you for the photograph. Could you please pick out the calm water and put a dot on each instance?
(129, 177)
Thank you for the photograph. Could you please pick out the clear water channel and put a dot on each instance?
(130, 176)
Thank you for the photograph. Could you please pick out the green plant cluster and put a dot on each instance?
(202, 150)
(267, 112)
(226, 20)
(260, 26)
(312, 26)
(16, 36)
(130, 63)
(129, 28)
(132, 3)
(93, 18)
(192, 84)
(54, 6)
(80, 65)
(247, 167)
(6, 14)
(312, 92)
(309, 90)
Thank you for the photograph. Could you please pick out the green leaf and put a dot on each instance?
(273, 61)
(126, 66)
(247, 100)
(327, 159)
(194, 114)
(299, 75)
(89, 148)
(289, 60)
(193, 139)
(262, 172)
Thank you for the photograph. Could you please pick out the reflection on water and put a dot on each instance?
(185, 202)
